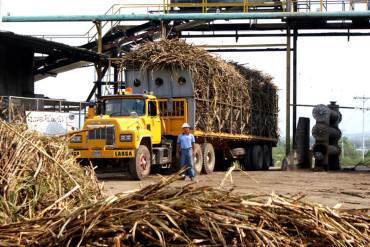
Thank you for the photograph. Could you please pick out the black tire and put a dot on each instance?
(221, 163)
(140, 165)
(267, 157)
(83, 162)
(176, 167)
(257, 158)
(246, 161)
(209, 158)
(198, 159)
(334, 164)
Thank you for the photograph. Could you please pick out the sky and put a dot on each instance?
(329, 68)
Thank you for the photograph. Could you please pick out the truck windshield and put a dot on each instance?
(124, 107)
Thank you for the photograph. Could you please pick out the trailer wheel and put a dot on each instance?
(198, 159)
(257, 158)
(209, 158)
(267, 157)
(247, 161)
(140, 165)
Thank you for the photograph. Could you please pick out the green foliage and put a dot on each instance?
(278, 153)
(350, 156)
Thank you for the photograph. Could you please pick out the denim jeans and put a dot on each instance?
(186, 158)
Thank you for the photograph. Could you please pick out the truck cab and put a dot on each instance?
(124, 128)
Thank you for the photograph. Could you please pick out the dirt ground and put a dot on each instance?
(352, 189)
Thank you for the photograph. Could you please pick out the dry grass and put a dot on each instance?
(38, 176)
(46, 199)
(162, 215)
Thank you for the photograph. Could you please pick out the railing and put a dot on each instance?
(118, 9)
(13, 108)
(204, 6)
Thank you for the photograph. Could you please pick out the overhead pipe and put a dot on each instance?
(188, 16)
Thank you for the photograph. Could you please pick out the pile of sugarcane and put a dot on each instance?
(46, 199)
(227, 100)
(38, 176)
(162, 215)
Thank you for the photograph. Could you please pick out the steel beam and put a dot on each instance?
(115, 79)
(190, 16)
(287, 103)
(257, 35)
(247, 50)
(307, 24)
(295, 49)
(241, 45)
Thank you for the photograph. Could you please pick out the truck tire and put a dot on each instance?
(246, 160)
(140, 165)
(198, 159)
(267, 157)
(209, 158)
(176, 167)
(257, 158)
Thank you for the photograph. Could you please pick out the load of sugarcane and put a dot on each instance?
(47, 199)
(229, 98)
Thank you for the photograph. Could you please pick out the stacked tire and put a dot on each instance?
(258, 158)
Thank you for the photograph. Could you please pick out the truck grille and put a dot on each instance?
(106, 133)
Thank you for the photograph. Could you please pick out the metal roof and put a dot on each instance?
(58, 57)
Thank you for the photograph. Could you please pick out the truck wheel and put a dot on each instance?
(267, 157)
(140, 165)
(257, 158)
(246, 161)
(209, 158)
(198, 159)
(176, 167)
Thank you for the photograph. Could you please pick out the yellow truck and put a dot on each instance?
(138, 127)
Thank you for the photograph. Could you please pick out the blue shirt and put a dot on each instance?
(185, 141)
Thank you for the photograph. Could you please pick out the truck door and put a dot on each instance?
(155, 121)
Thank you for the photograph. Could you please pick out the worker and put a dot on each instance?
(185, 150)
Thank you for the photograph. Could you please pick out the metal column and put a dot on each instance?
(287, 103)
(100, 36)
(115, 79)
(295, 37)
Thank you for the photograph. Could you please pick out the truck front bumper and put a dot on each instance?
(104, 154)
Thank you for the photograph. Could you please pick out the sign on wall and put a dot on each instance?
(52, 123)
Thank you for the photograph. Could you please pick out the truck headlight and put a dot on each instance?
(76, 139)
(125, 138)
